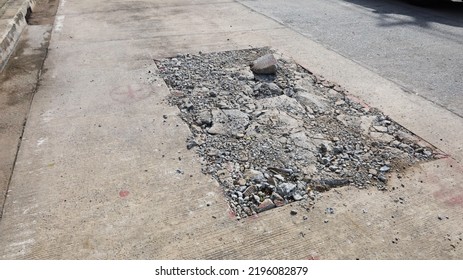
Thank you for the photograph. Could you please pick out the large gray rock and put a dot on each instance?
(266, 64)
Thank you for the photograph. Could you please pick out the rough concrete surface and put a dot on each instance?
(18, 82)
(96, 175)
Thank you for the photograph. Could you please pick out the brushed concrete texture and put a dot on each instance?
(101, 174)
(17, 86)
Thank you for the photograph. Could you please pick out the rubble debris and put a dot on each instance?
(282, 137)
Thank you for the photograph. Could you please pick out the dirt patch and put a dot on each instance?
(278, 138)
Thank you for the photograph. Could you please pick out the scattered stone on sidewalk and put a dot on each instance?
(270, 140)
(293, 212)
(329, 210)
(266, 64)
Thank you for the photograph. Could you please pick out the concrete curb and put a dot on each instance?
(12, 23)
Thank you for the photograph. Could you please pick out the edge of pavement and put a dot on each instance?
(13, 19)
(19, 81)
(429, 121)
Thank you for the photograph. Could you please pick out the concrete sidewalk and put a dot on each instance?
(96, 176)
(18, 83)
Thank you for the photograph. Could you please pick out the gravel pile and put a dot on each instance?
(272, 139)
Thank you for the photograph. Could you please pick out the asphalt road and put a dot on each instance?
(419, 48)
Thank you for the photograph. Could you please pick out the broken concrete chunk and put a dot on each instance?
(380, 128)
(277, 199)
(267, 89)
(241, 182)
(366, 122)
(301, 140)
(246, 74)
(348, 120)
(297, 196)
(383, 137)
(339, 102)
(286, 189)
(274, 88)
(304, 85)
(228, 122)
(283, 103)
(385, 168)
(276, 196)
(265, 205)
(402, 135)
(266, 64)
(204, 118)
(254, 175)
(309, 170)
(315, 102)
(279, 177)
(280, 121)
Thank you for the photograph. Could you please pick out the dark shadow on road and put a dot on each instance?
(444, 12)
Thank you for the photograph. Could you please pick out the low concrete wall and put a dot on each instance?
(12, 23)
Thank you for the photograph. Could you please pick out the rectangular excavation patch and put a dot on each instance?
(271, 133)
